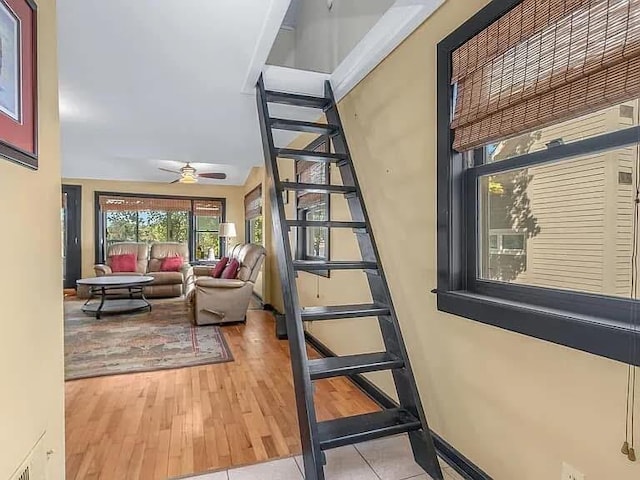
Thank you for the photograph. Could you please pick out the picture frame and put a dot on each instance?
(18, 82)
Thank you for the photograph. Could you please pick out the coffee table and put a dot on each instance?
(105, 286)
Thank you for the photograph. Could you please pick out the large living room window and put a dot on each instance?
(146, 218)
(313, 242)
(538, 156)
(208, 215)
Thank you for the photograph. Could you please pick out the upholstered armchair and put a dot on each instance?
(168, 284)
(217, 300)
(140, 250)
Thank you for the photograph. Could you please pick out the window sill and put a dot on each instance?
(599, 336)
(318, 273)
(204, 262)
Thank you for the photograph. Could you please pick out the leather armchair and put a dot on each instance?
(216, 300)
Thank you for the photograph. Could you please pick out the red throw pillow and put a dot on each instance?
(123, 263)
(231, 270)
(171, 264)
(216, 272)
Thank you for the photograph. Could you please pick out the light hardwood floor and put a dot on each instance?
(170, 423)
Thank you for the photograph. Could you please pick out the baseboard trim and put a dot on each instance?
(446, 451)
(258, 299)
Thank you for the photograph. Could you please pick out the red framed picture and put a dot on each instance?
(18, 82)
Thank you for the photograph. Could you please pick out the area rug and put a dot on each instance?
(157, 340)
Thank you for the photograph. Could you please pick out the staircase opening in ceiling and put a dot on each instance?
(317, 35)
(306, 42)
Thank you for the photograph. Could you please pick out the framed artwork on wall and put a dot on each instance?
(18, 82)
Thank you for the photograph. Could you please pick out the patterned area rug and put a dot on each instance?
(142, 342)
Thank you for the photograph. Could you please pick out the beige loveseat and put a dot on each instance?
(216, 300)
(165, 284)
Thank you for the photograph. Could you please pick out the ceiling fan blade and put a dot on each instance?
(175, 181)
(167, 170)
(214, 175)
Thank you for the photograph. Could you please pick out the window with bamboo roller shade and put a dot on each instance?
(116, 203)
(542, 63)
(207, 208)
(311, 172)
(253, 203)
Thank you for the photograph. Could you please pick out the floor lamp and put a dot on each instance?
(228, 232)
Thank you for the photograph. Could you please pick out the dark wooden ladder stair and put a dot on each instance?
(409, 417)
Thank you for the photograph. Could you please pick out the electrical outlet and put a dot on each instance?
(570, 473)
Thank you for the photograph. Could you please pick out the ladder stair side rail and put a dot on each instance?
(421, 441)
(314, 458)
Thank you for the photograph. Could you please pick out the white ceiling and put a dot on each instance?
(154, 83)
(151, 83)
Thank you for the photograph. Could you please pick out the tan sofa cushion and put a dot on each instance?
(160, 251)
(219, 282)
(166, 278)
(140, 250)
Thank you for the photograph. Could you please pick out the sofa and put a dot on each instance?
(148, 262)
(218, 300)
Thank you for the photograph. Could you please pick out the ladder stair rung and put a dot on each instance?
(300, 126)
(361, 428)
(315, 265)
(297, 99)
(310, 155)
(317, 187)
(324, 223)
(338, 312)
(352, 364)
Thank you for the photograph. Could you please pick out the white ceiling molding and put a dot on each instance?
(292, 80)
(391, 30)
(273, 22)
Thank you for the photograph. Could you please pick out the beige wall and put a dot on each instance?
(233, 194)
(514, 405)
(31, 359)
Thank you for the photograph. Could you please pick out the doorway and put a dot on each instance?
(71, 226)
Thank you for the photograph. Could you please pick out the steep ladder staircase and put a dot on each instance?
(408, 417)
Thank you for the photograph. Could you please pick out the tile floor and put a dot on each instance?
(384, 459)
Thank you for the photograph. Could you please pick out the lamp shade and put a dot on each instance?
(227, 230)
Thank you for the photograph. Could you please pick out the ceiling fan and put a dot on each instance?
(188, 174)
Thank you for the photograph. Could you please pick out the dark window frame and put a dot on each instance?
(73, 235)
(599, 324)
(248, 228)
(301, 233)
(99, 225)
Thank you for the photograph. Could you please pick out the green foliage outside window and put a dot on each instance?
(255, 226)
(147, 226)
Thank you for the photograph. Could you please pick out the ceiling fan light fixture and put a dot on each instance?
(188, 178)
